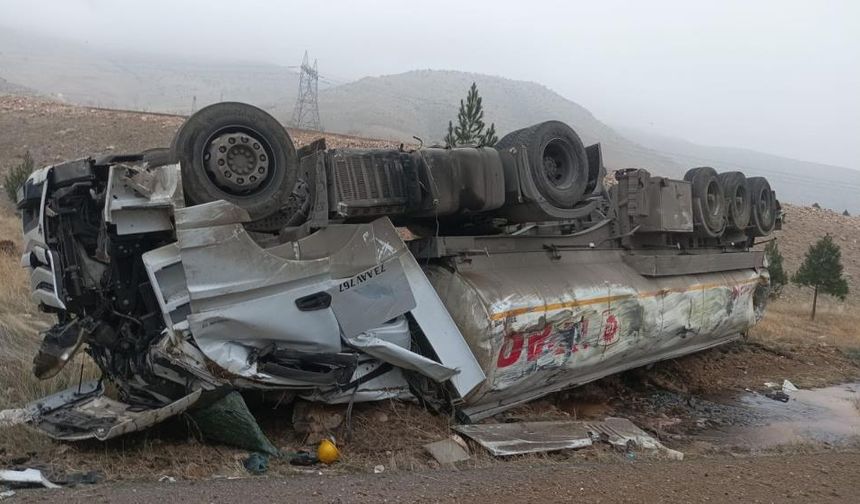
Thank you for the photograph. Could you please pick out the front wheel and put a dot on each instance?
(238, 153)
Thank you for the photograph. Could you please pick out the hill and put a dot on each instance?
(422, 102)
(54, 131)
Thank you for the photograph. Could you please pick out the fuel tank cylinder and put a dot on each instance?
(540, 322)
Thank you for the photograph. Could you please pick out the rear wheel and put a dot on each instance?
(738, 202)
(238, 153)
(709, 205)
(763, 215)
(558, 165)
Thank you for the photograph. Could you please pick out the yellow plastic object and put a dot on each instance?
(327, 452)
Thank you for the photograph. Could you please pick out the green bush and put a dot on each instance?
(17, 175)
(778, 276)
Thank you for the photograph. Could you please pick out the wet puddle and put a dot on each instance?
(828, 415)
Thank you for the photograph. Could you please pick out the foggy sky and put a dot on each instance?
(781, 77)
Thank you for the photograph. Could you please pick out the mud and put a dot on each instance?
(829, 415)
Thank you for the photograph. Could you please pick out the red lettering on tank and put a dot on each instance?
(511, 350)
(610, 329)
(537, 341)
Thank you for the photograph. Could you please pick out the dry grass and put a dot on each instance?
(20, 323)
(787, 322)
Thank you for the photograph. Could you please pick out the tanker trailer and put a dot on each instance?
(475, 278)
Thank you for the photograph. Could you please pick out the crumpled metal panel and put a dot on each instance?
(538, 324)
(243, 297)
(83, 412)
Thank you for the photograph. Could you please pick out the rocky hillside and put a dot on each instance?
(803, 226)
(54, 131)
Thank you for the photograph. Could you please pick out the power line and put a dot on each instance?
(306, 115)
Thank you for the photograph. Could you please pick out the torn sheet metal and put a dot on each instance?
(527, 437)
(142, 200)
(385, 351)
(622, 433)
(84, 412)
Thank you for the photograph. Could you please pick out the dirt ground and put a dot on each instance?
(820, 477)
(669, 400)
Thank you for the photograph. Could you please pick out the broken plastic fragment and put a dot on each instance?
(25, 477)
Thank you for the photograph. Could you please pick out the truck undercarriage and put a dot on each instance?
(474, 278)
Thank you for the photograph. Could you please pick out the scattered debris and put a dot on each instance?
(6, 494)
(622, 433)
(378, 469)
(787, 387)
(229, 421)
(26, 477)
(777, 395)
(527, 437)
(303, 458)
(167, 479)
(78, 478)
(448, 451)
(256, 463)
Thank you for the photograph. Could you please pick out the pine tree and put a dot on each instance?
(470, 123)
(778, 277)
(822, 270)
(17, 176)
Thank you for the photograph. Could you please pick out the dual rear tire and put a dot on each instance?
(732, 201)
(558, 164)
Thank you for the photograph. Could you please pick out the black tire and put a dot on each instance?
(709, 201)
(738, 201)
(763, 214)
(238, 153)
(557, 161)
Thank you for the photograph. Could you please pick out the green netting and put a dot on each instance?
(228, 421)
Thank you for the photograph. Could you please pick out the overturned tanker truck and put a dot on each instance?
(232, 261)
